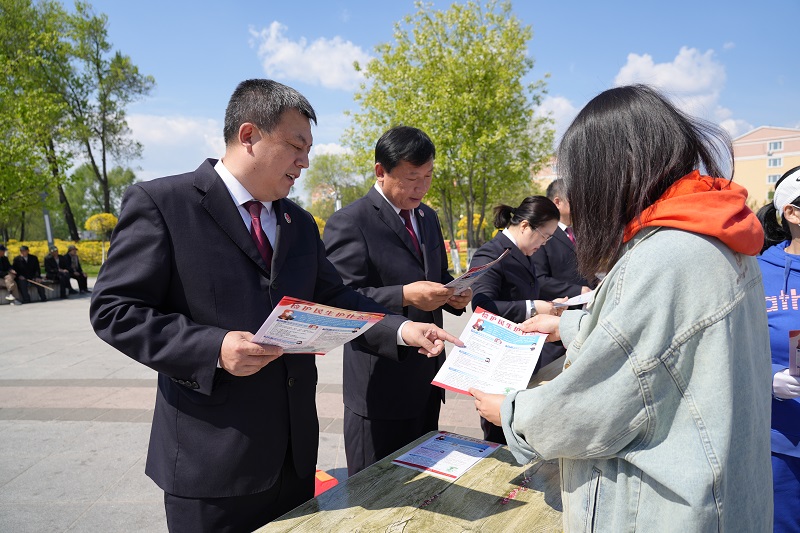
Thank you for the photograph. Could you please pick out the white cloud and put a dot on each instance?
(689, 73)
(693, 80)
(325, 62)
(561, 110)
(329, 148)
(176, 144)
(729, 46)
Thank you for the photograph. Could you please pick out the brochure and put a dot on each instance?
(497, 357)
(299, 326)
(465, 280)
(446, 455)
(581, 299)
(794, 360)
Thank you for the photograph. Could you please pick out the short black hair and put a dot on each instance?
(404, 143)
(262, 102)
(23, 248)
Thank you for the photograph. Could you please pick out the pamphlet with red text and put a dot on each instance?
(299, 326)
(497, 357)
(446, 455)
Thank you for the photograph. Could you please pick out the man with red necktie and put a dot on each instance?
(388, 245)
(556, 265)
(190, 275)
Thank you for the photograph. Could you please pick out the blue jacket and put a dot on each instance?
(781, 273)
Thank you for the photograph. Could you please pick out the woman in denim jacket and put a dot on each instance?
(658, 418)
(780, 268)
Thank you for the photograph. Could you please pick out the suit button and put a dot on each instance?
(274, 286)
(533, 283)
(291, 382)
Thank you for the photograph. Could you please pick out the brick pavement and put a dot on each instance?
(75, 418)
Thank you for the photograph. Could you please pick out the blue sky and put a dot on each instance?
(732, 62)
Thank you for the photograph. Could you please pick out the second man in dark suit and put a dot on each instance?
(389, 246)
(27, 267)
(557, 265)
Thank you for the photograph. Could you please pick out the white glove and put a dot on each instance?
(785, 386)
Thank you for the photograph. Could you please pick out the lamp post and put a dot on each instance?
(46, 214)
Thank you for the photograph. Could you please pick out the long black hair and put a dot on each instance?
(775, 232)
(536, 210)
(620, 154)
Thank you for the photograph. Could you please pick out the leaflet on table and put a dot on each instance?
(465, 280)
(581, 299)
(497, 357)
(446, 455)
(298, 326)
(794, 360)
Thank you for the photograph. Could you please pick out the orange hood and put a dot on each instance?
(705, 205)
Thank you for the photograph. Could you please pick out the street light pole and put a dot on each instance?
(46, 214)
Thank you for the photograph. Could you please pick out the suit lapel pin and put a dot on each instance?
(287, 218)
(420, 213)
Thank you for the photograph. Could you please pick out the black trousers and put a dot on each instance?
(240, 513)
(22, 284)
(63, 282)
(83, 284)
(368, 440)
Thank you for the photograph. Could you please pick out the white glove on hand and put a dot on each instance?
(785, 386)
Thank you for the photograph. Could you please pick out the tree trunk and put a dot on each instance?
(22, 226)
(68, 217)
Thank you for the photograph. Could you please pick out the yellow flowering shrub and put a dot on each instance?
(101, 223)
(89, 252)
(320, 224)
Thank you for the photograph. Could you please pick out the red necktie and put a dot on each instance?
(406, 214)
(257, 232)
(570, 234)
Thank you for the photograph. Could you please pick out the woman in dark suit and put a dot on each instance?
(509, 288)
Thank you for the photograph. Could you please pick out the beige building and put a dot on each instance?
(761, 156)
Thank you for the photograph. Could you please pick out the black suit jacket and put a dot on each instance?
(181, 272)
(65, 262)
(29, 269)
(372, 250)
(506, 286)
(557, 268)
(557, 271)
(5, 266)
(52, 266)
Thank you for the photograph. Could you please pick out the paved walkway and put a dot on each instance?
(75, 419)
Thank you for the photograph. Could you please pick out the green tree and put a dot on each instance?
(32, 53)
(458, 75)
(104, 84)
(329, 177)
(86, 195)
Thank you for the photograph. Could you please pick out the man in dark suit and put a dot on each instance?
(54, 271)
(557, 266)
(191, 273)
(72, 263)
(388, 245)
(27, 268)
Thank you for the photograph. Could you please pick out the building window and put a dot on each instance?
(773, 178)
(773, 162)
(775, 146)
